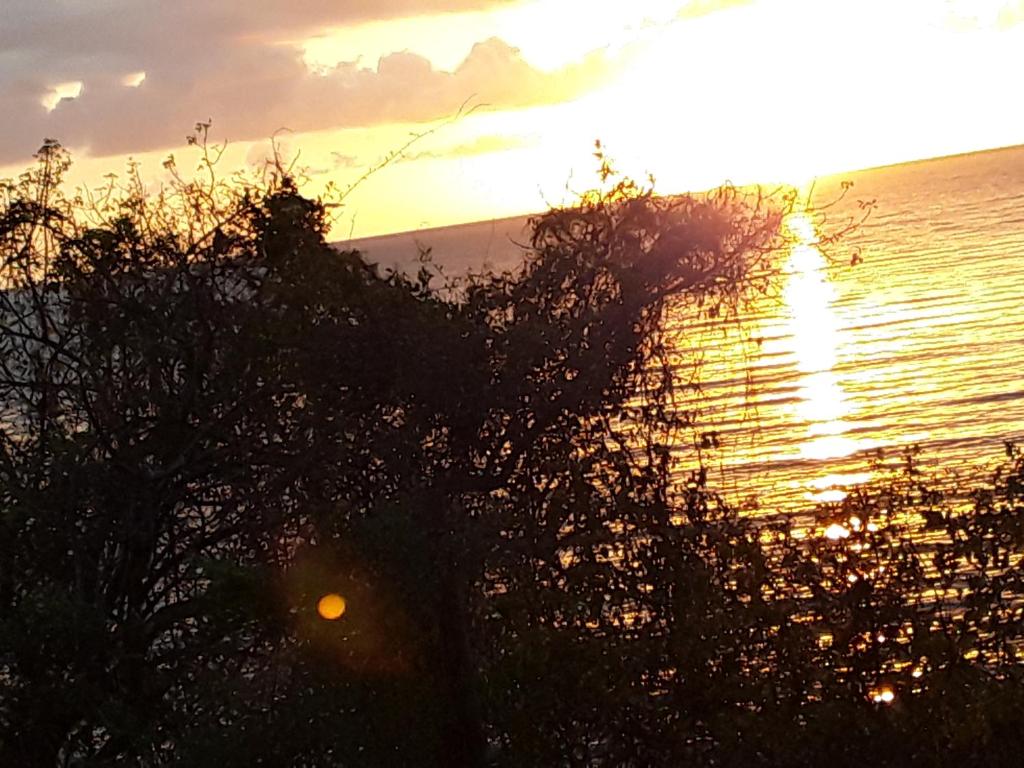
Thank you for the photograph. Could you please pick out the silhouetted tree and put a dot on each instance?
(212, 418)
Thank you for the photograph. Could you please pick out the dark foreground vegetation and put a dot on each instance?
(211, 419)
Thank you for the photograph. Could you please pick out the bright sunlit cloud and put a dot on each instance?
(133, 80)
(966, 15)
(70, 90)
(549, 35)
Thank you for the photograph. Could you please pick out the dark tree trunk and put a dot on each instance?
(463, 743)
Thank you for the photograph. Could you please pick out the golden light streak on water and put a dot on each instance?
(822, 405)
(814, 331)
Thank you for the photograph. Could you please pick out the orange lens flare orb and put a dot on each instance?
(331, 607)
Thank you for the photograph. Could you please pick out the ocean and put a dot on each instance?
(921, 343)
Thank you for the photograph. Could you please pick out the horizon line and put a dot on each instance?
(830, 175)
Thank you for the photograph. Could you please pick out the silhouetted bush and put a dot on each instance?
(211, 418)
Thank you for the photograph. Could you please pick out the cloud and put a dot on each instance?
(1010, 15)
(230, 61)
(482, 145)
(698, 8)
(971, 16)
(122, 26)
(340, 160)
(273, 151)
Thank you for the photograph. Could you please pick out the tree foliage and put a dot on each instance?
(211, 418)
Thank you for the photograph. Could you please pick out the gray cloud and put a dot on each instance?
(126, 26)
(223, 59)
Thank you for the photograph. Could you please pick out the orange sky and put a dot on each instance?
(695, 92)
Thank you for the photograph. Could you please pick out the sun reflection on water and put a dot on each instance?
(814, 330)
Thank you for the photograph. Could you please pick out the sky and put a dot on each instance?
(510, 94)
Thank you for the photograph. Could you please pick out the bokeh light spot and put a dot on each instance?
(884, 695)
(331, 606)
(836, 532)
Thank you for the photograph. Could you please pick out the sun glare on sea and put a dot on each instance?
(814, 331)
(813, 328)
